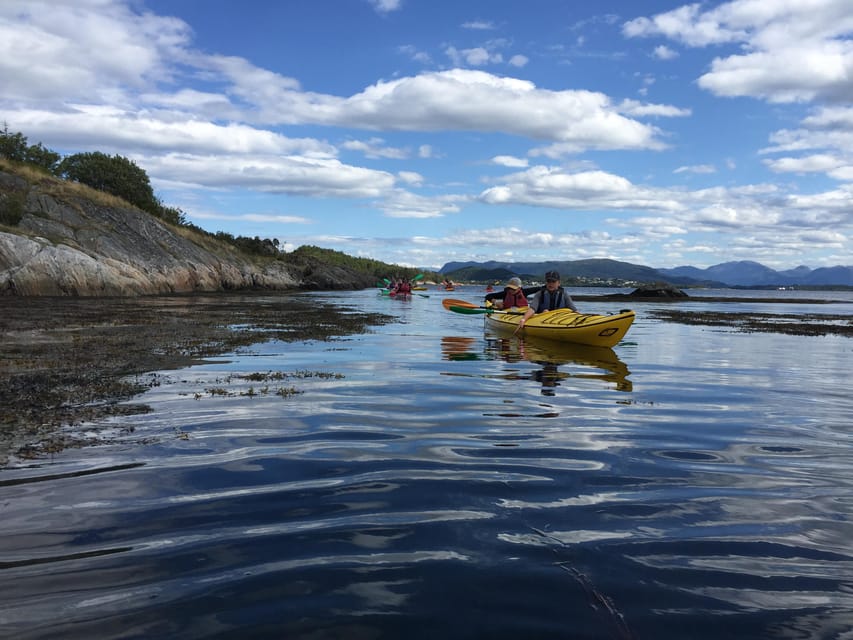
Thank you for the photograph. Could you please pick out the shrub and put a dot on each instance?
(11, 208)
(114, 174)
(14, 147)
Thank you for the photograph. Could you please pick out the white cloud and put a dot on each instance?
(719, 215)
(475, 57)
(461, 99)
(518, 60)
(797, 73)
(415, 54)
(686, 24)
(386, 6)
(843, 173)
(405, 204)
(697, 168)
(510, 161)
(479, 25)
(375, 148)
(830, 118)
(250, 217)
(452, 100)
(827, 133)
(411, 177)
(817, 163)
(823, 237)
(791, 51)
(662, 52)
(84, 50)
(640, 110)
(109, 128)
(294, 175)
(553, 187)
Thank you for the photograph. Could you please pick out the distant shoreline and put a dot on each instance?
(627, 297)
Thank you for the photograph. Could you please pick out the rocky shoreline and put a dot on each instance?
(64, 239)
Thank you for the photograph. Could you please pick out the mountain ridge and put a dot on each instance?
(741, 273)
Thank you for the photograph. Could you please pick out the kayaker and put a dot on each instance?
(551, 296)
(404, 287)
(511, 296)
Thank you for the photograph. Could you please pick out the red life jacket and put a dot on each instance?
(514, 298)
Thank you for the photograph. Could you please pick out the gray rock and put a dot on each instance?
(660, 290)
(70, 245)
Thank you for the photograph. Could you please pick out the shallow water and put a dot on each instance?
(432, 480)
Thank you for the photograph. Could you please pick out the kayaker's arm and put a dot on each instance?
(527, 315)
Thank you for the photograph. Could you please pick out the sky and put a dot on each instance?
(419, 132)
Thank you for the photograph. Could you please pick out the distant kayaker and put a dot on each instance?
(511, 296)
(403, 287)
(551, 296)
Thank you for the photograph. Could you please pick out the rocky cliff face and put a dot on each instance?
(66, 244)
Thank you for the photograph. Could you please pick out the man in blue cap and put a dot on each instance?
(551, 296)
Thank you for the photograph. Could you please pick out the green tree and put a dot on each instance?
(175, 215)
(14, 147)
(113, 174)
(43, 157)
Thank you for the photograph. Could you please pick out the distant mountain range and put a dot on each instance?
(744, 273)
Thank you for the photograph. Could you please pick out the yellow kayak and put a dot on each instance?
(565, 325)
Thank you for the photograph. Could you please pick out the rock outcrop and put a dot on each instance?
(67, 244)
(660, 290)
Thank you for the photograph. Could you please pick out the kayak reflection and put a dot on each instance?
(577, 361)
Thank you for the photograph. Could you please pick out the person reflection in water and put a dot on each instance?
(548, 376)
(513, 350)
(591, 363)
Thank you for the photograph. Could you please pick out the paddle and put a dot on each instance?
(450, 302)
(477, 310)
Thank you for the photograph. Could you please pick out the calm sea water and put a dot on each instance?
(430, 480)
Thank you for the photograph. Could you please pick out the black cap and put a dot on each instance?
(552, 275)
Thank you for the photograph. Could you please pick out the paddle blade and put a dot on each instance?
(418, 277)
(450, 302)
(468, 310)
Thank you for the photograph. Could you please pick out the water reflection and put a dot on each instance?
(576, 360)
(431, 491)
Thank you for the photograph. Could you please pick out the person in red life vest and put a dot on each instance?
(511, 296)
(404, 287)
(551, 296)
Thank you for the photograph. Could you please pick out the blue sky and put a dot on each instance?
(419, 132)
